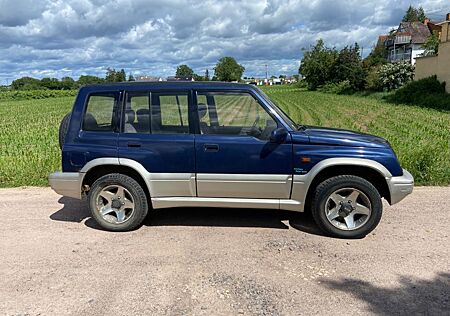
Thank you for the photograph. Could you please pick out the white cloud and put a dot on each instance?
(61, 37)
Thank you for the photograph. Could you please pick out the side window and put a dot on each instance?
(136, 116)
(169, 113)
(100, 113)
(233, 114)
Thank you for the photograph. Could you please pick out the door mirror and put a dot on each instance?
(278, 135)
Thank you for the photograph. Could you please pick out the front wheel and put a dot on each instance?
(118, 202)
(347, 206)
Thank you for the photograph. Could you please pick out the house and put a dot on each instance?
(175, 78)
(405, 44)
(439, 64)
(148, 78)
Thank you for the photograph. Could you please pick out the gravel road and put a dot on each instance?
(54, 260)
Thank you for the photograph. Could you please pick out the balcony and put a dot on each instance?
(399, 39)
(402, 39)
(400, 57)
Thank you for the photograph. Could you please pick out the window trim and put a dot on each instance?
(115, 124)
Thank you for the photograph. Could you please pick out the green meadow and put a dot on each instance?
(421, 137)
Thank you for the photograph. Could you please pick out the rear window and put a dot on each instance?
(100, 113)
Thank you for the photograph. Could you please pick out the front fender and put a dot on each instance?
(302, 183)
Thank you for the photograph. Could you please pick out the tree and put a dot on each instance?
(421, 16)
(431, 45)
(227, 69)
(207, 75)
(414, 15)
(50, 83)
(348, 66)
(115, 76)
(317, 65)
(131, 78)
(378, 56)
(67, 83)
(410, 15)
(110, 75)
(85, 80)
(184, 71)
(121, 76)
(26, 83)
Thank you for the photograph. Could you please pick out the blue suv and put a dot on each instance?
(132, 147)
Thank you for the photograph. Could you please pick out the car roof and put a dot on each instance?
(170, 85)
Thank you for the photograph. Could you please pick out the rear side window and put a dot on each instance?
(156, 113)
(100, 113)
(137, 113)
(173, 113)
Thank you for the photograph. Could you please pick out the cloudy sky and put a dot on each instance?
(55, 38)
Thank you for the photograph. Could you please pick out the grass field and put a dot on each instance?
(421, 137)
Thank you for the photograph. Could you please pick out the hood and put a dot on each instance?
(341, 137)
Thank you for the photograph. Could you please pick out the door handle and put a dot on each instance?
(134, 144)
(211, 147)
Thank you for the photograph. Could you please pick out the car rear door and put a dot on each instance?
(156, 133)
(97, 134)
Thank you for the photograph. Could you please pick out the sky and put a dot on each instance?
(57, 38)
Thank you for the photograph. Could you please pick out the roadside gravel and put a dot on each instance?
(54, 260)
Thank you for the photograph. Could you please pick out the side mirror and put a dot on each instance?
(278, 135)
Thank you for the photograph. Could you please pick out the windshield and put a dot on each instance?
(281, 113)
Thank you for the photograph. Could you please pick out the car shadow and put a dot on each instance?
(74, 210)
(412, 296)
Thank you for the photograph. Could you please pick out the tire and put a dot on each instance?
(117, 210)
(63, 128)
(338, 215)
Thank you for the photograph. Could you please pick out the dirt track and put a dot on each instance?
(54, 261)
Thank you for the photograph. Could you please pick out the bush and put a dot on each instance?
(302, 84)
(427, 92)
(35, 94)
(343, 87)
(374, 80)
(395, 75)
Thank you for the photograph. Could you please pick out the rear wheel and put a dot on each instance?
(118, 202)
(347, 206)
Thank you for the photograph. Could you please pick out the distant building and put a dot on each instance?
(148, 78)
(175, 78)
(270, 81)
(439, 64)
(405, 44)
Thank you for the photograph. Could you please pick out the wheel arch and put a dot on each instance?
(106, 166)
(370, 172)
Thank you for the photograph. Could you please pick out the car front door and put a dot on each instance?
(234, 155)
(156, 133)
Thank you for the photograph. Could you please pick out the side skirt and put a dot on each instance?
(284, 204)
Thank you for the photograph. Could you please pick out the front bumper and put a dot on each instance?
(401, 186)
(66, 183)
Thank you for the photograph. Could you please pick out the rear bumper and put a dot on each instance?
(66, 183)
(401, 186)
